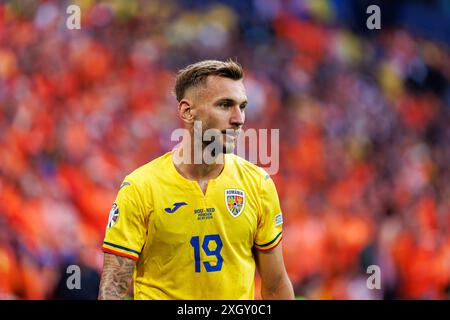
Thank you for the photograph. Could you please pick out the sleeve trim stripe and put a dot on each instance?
(269, 243)
(119, 253)
(120, 247)
(267, 249)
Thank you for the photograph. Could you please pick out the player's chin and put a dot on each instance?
(228, 147)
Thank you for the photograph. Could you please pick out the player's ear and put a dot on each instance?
(185, 110)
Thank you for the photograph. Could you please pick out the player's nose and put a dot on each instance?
(237, 117)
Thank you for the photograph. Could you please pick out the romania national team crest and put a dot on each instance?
(235, 201)
(113, 215)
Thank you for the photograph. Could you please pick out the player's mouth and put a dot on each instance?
(231, 134)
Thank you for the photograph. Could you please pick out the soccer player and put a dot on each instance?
(196, 230)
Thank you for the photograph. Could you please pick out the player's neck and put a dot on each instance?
(193, 168)
(200, 171)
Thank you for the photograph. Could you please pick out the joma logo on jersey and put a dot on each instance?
(175, 207)
(235, 201)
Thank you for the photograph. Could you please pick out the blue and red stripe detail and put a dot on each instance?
(267, 246)
(119, 253)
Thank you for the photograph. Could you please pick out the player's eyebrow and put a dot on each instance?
(231, 101)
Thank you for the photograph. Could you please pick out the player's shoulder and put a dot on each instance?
(247, 168)
(144, 174)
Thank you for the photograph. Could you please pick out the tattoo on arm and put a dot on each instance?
(116, 277)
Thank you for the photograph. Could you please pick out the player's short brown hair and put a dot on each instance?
(195, 74)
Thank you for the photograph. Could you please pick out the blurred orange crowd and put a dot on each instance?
(364, 135)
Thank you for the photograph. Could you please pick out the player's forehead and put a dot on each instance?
(217, 88)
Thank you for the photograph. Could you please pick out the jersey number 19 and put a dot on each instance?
(195, 242)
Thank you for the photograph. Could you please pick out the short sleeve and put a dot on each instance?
(126, 231)
(269, 232)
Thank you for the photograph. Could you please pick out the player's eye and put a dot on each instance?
(242, 106)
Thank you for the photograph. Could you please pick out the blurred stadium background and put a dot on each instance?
(364, 140)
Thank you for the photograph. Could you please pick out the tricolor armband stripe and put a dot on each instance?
(119, 247)
(270, 244)
(120, 250)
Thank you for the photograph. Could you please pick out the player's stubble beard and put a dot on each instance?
(227, 143)
(214, 142)
(227, 146)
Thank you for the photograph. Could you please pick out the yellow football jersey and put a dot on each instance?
(190, 245)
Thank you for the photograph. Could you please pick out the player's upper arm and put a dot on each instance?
(269, 230)
(116, 277)
(126, 232)
(275, 283)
